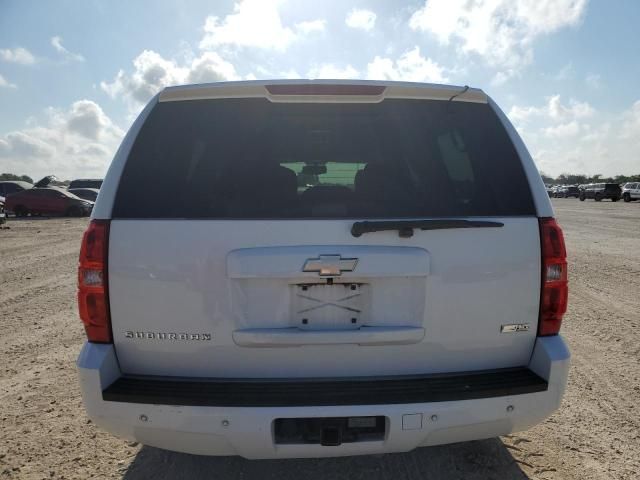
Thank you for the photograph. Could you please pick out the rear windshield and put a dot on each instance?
(251, 158)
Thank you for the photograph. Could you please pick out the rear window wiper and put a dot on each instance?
(405, 227)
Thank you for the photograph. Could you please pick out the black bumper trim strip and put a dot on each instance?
(295, 392)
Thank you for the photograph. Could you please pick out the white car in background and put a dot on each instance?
(342, 268)
(631, 191)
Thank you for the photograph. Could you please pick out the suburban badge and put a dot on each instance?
(168, 336)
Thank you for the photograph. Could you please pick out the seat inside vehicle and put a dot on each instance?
(326, 200)
(258, 187)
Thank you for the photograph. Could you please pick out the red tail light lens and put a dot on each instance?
(93, 299)
(554, 292)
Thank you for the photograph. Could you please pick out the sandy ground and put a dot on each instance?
(44, 432)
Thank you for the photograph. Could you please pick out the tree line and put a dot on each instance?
(27, 178)
(573, 179)
(11, 176)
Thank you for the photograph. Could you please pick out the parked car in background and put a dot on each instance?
(631, 191)
(557, 191)
(370, 267)
(47, 201)
(85, 193)
(569, 191)
(7, 187)
(85, 183)
(600, 191)
(549, 189)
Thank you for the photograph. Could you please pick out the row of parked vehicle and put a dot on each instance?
(45, 198)
(597, 191)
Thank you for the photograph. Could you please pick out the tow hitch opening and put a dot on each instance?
(329, 432)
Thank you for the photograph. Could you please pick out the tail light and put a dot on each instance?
(554, 291)
(93, 294)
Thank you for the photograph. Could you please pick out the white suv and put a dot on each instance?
(340, 268)
(631, 191)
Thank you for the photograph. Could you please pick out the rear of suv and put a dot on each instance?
(600, 191)
(570, 191)
(343, 268)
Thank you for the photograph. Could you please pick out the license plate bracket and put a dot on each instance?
(328, 306)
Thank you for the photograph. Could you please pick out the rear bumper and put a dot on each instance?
(248, 430)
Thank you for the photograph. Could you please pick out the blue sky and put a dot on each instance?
(73, 75)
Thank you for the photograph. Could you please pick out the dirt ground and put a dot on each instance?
(44, 432)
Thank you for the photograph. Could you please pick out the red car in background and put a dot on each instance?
(47, 201)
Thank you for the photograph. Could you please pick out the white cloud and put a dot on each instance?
(500, 78)
(361, 18)
(500, 31)
(78, 141)
(553, 111)
(4, 83)
(17, 55)
(311, 26)
(23, 145)
(410, 66)
(56, 42)
(255, 23)
(210, 67)
(564, 130)
(630, 125)
(331, 71)
(152, 73)
(87, 119)
(574, 110)
(573, 137)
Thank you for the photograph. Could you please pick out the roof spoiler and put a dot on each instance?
(322, 91)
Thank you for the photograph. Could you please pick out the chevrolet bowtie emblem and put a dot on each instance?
(330, 265)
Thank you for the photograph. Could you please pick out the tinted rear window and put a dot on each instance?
(251, 158)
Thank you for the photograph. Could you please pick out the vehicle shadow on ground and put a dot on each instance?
(484, 459)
